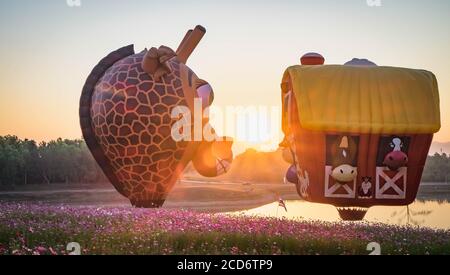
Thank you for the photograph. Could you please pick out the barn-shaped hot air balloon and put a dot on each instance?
(127, 120)
(358, 134)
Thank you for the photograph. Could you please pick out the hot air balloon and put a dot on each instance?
(357, 135)
(126, 118)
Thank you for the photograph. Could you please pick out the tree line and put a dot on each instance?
(25, 162)
(437, 168)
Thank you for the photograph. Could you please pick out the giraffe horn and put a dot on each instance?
(185, 39)
(189, 43)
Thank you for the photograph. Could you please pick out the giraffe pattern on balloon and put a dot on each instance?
(132, 123)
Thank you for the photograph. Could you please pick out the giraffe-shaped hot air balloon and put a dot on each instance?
(126, 118)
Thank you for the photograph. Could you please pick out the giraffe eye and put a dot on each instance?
(205, 92)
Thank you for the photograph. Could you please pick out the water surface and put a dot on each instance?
(432, 214)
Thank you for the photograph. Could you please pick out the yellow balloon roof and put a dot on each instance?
(351, 99)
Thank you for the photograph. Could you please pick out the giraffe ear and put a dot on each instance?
(155, 61)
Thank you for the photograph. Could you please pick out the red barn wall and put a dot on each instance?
(310, 151)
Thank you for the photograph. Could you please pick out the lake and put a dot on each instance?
(431, 213)
(430, 210)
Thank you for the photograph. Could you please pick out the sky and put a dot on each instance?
(47, 48)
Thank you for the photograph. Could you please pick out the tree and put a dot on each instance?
(70, 161)
(437, 168)
(57, 161)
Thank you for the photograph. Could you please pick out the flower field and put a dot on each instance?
(38, 229)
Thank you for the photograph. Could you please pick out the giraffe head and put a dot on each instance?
(126, 117)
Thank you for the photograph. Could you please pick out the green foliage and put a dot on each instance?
(69, 161)
(437, 168)
(24, 162)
